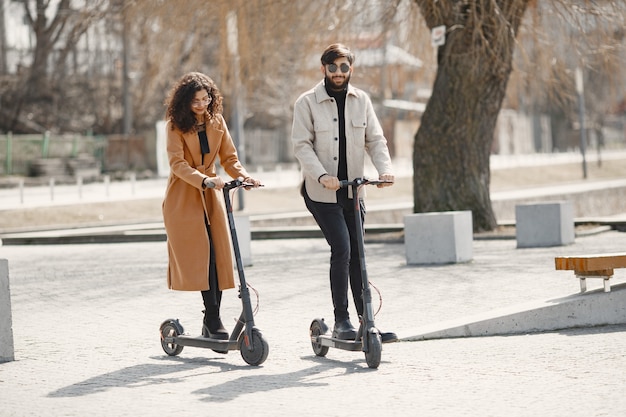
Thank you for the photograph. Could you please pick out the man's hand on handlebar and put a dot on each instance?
(388, 180)
(330, 182)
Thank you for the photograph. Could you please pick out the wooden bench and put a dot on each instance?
(592, 266)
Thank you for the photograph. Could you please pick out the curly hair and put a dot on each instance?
(183, 92)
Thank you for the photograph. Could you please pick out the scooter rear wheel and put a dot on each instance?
(171, 328)
(318, 328)
(260, 348)
(375, 348)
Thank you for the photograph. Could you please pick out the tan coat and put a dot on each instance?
(183, 210)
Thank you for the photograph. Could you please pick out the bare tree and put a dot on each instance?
(168, 40)
(453, 144)
(56, 33)
(555, 39)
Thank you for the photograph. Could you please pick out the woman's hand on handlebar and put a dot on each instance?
(388, 180)
(214, 182)
(249, 180)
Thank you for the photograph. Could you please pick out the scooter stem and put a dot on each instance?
(366, 293)
(244, 293)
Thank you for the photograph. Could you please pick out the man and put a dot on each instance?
(334, 124)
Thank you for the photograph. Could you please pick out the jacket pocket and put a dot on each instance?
(323, 137)
(322, 128)
(358, 130)
(359, 123)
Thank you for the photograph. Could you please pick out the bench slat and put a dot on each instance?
(591, 263)
(589, 274)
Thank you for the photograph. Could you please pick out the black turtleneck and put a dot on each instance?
(342, 168)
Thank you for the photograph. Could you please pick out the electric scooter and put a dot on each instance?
(245, 337)
(368, 338)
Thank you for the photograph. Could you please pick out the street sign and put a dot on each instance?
(438, 36)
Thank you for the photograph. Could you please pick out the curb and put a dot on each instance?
(129, 233)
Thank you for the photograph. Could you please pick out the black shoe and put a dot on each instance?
(214, 329)
(388, 337)
(344, 330)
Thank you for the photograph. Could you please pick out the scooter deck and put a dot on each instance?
(202, 342)
(352, 345)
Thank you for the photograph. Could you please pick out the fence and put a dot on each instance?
(49, 154)
(18, 152)
(266, 148)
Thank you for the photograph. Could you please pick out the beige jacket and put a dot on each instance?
(315, 138)
(184, 210)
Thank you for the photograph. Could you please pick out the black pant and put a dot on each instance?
(213, 297)
(337, 222)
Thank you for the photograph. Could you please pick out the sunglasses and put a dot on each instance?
(333, 68)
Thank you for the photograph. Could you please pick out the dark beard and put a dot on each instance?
(329, 82)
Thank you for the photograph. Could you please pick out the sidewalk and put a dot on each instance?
(52, 195)
(86, 319)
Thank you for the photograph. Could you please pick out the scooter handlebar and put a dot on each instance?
(232, 184)
(239, 183)
(362, 181)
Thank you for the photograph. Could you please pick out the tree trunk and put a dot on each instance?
(453, 144)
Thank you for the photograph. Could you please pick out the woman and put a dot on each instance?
(198, 240)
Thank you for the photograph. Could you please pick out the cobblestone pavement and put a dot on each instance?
(86, 320)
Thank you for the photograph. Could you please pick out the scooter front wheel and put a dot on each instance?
(260, 348)
(169, 329)
(375, 348)
(318, 328)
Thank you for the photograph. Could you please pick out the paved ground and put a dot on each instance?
(86, 319)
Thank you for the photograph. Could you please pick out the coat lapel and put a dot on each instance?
(193, 144)
(214, 136)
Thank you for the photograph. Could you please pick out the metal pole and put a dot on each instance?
(581, 116)
(133, 180)
(51, 189)
(45, 144)
(79, 184)
(237, 113)
(9, 158)
(107, 181)
(128, 110)
(21, 185)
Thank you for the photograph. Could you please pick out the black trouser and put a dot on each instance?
(337, 223)
(213, 297)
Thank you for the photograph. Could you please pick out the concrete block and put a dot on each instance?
(6, 326)
(590, 309)
(544, 224)
(244, 236)
(438, 237)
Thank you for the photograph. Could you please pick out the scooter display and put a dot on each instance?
(368, 338)
(245, 337)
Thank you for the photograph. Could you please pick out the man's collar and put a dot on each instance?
(321, 94)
